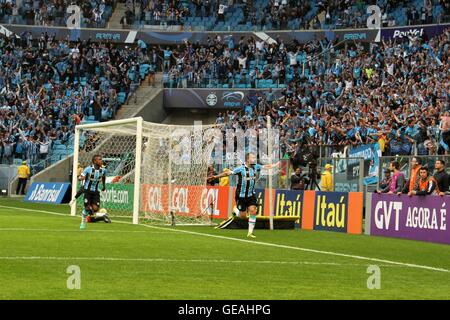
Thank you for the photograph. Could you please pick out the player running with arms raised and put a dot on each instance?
(245, 191)
(91, 177)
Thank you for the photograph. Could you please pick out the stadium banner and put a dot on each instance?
(416, 218)
(335, 211)
(156, 37)
(425, 32)
(117, 196)
(329, 211)
(48, 192)
(288, 204)
(186, 200)
(200, 98)
(215, 200)
(371, 154)
(83, 34)
(154, 198)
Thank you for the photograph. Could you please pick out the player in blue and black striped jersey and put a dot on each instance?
(245, 190)
(91, 178)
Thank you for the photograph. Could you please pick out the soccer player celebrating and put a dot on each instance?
(245, 191)
(91, 177)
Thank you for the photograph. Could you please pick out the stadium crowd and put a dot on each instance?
(249, 15)
(48, 86)
(95, 13)
(394, 93)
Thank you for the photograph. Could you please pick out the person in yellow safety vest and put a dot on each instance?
(23, 173)
(225, 181)
(327, 179)
(79, 169)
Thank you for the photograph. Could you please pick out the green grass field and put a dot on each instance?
(124, 261)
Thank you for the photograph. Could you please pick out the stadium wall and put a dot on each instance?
(201, 37)
(153, 110)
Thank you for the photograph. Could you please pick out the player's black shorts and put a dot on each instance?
(92, 198)
(243, 203)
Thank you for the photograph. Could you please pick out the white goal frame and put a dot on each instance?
(138, 153)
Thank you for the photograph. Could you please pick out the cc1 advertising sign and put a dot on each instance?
(417, 218)
(186, 200)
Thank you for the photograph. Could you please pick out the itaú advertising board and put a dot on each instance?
(417, 218)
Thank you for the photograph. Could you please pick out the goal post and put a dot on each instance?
(156, 173)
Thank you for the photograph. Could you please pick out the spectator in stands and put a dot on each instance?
(442, 178)
(444, 127)
(211, 172)
(386, 180)
(426, 185)
(53, 12)
(397, 181)
(299, 181)
(416, 165)
(274, 14)
(47, 87)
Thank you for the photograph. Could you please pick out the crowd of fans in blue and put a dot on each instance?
(94, 13)
(393, 93)
(48, 86)
(322, 92)
(251, 15)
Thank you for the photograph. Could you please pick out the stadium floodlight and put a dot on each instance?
(155, 172)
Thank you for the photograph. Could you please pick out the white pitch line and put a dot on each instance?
(78, 231)
(337, 254)
(189, 261)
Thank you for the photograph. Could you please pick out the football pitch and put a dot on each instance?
(40, 243)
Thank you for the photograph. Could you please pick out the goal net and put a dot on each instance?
(156, 173)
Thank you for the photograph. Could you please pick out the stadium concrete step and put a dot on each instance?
(143, 95)
(118, 13)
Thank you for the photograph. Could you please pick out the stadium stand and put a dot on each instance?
(253, 15)
(395, 94)
(95, 13)
(48, 86)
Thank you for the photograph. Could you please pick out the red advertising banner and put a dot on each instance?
(186, 200)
